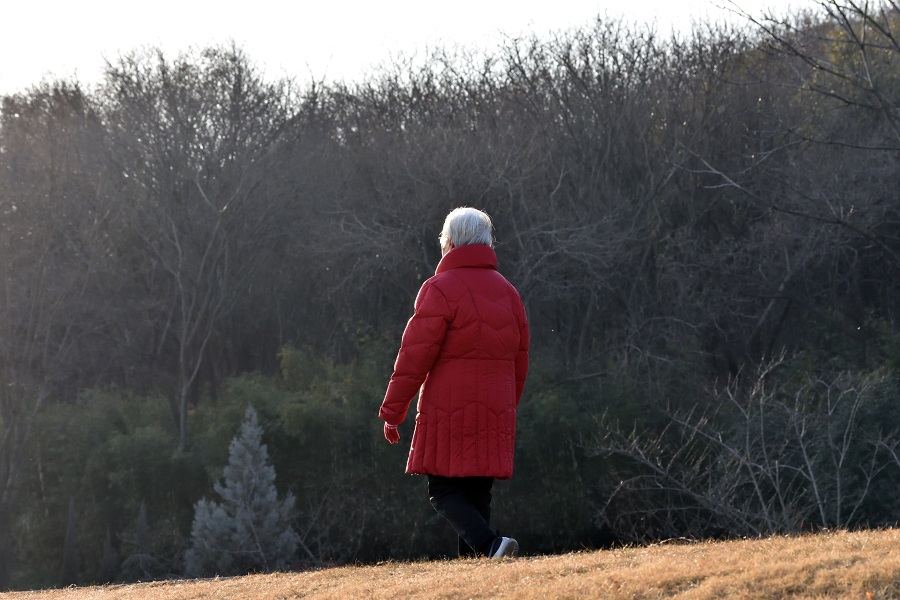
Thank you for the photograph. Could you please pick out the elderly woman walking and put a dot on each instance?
(465, 352)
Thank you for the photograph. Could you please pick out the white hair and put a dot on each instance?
(465, 226)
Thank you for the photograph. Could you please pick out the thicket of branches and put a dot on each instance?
(704, 230)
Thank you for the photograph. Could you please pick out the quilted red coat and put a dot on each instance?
(465, 351)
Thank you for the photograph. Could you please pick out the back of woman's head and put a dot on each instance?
(465, 226)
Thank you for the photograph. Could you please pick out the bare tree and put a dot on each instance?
(196, 140)
(776, 457)
(817, 170)
(52, 239)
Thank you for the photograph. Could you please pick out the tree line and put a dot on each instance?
(704, 229)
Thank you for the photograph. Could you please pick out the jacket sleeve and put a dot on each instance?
(419, 347)
(522, 355)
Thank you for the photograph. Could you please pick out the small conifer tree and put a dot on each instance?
(109, 560)
(249, 530)
(141, 564)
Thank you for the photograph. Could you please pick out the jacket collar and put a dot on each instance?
(479, 256)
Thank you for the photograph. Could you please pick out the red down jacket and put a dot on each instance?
(465, 350)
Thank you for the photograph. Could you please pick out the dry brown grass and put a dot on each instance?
(862, 565)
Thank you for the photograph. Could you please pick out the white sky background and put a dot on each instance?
(303, 39)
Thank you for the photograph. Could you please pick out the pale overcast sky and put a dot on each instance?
(322, 39)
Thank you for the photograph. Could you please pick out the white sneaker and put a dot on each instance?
(504, 546)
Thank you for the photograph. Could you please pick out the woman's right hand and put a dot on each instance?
(391, 434)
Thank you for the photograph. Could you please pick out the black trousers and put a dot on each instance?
(465, 502)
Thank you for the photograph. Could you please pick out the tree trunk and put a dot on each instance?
(5, 547)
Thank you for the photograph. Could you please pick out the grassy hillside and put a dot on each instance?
(831, 565)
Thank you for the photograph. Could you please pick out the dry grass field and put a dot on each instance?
(863, 565)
